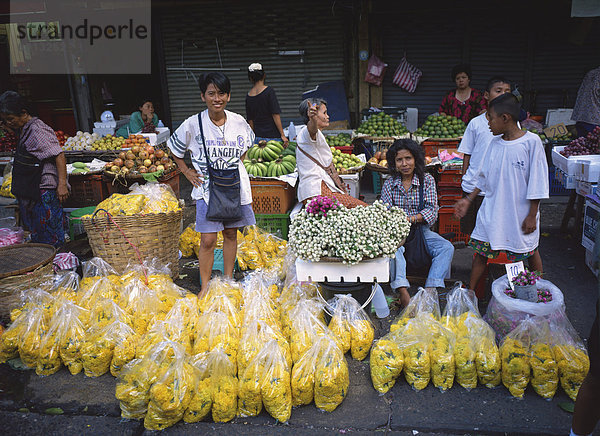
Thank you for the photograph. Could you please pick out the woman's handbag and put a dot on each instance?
(416, 254)
(224, 203)
(330, 169)
(27, 175)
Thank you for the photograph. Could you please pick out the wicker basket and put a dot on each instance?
(154, 235)
(24, 267)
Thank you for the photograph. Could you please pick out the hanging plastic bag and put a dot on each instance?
(351, 326)
(375, 71)
(386, 361)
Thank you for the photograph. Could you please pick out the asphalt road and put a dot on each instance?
(90, 407)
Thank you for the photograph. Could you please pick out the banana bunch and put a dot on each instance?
(279, 167)
(265, 151)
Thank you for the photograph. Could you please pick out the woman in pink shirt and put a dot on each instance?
(464, 102)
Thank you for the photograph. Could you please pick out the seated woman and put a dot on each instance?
(406, 163)
(314, 160)
(137, 121)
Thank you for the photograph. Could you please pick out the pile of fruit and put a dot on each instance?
(62, 137)
(379, 158)
(346, 163)
(8, 140)
(584, 145)
(341, 140)
(133, 140)
(80, 168)
(382, 125)
(270, 159)
(441, 126)
(140, 160)
(84, 141)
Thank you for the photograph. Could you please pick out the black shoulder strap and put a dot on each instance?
(203, 140)
(421, 199)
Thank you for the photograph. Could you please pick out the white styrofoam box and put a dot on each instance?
(586, 188)
(158, 138)
(590, 223)
(103, 131)
(568, 181)
(352, 182)
(101, 125)
(557, 116)
(589, 261)
(588, 171)
(366, 271)
(569, 165)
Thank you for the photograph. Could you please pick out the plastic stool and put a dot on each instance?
(480, 288)
(75, 224)
(219, 263)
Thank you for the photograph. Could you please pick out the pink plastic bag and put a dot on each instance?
(375, 71)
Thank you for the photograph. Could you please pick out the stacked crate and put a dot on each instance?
(449, 192)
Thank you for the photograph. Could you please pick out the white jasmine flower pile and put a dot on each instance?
(364, 232)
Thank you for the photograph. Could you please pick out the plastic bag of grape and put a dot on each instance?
(351, 326)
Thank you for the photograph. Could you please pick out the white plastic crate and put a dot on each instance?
(569, 165)
(352, 182)
(366, 271)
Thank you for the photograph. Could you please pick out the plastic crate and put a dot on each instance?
(75, 225)
(449, 199)
(219, 263)
(556, 188)
(277, 224)
(431, 148)
(450, 179)
(448, 223)
(377, 183)
(86, 190)
(348, 149)
(272, 196)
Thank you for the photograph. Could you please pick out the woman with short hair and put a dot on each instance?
(463, 102)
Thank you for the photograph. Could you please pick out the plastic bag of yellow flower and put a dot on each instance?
(215, 330)
(141, 303)
(305, 328)
(441, 353)
(570, 354)
(5, 189)
(415, 346)
(351, 326)
(218, 287)
(424, 301)
(105, 311)
(224, 386)
(261, 308)
(160, 197)
(544, 369)
(201, 401)
(34, 328)
(186, 311)
(487, 355)
(170, 395)
(187, 240)
(72, 338)
(386, 361)
(66, 285)
(9, 340)
(255, 334)
(173, 328)
(275, 386)
(138, 376)
(31, 298)
(514, 350)
(331, 375)
(101, 343)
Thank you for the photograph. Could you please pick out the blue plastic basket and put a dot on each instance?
(556, 188)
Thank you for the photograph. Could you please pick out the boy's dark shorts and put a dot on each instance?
(594, 347)
(467, 223)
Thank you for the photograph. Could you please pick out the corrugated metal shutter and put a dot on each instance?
(418, 34)
(252, 32)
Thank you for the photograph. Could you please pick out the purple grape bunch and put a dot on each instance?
(584, 145)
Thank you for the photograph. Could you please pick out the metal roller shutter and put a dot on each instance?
(246, 33)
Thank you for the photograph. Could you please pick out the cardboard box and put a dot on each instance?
(568, 181)
(557, 116)
(588, 171)
(589, 261)
(586, 188)
(590, 222)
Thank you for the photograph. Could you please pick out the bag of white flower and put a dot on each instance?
(569, 352)
(351, 326)
(266, 381)
(476, 355)
(505, 312)
(321, 374)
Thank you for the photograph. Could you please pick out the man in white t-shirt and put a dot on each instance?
(514, 177)
(474, 145)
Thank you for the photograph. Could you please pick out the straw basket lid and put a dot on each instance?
(24, 258)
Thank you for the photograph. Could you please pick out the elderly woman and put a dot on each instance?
(408, 181)
(143, 116)
(226, 136)
(316, 172)
(463, 102)
(262, 108)
(39, 172)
